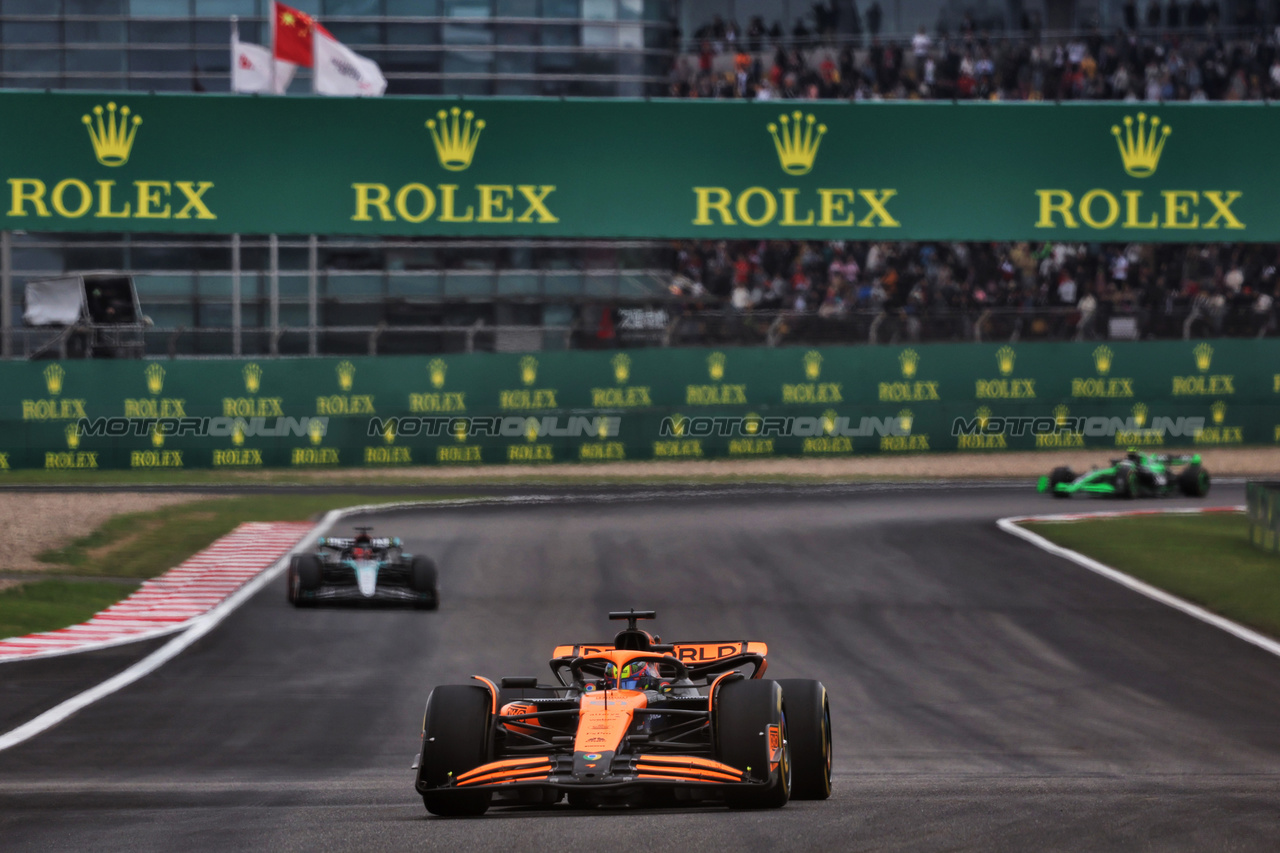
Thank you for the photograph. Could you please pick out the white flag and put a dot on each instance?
(251, 68)
(339, 70)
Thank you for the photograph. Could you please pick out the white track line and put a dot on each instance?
(1014, 526)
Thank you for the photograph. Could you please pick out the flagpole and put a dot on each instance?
(235, 41)
(273, 48)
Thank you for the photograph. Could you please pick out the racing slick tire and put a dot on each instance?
(744, 711)
(1060, 475)
(455, 739)
(423, 579)
(1193, 481)
(1126, 482)
(809, 737)
(305, 575)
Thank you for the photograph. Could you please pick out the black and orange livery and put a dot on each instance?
(697, 722)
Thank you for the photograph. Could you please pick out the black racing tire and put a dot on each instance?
(744, 710)
(1060, 475)
(424, 580)
(455, 739)
(291, 582)
(809, 737)
(1193, 481)
(305, 575)
(1126, 482)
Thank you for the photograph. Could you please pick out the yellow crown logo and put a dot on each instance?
(1140, 414)
(528, 370)
(459, 429)
(252, 378)
(621, 367)
(602, 428)
(983, 415)
(73, 436)
(436, 367)
(812, 365)
(53, 378)
(1219, 410)
(1005, 357)
(454, 137)
(1060, 415)
(1141, 151)
(715, 365)
(1204, 356)
(237, 434)
(155, 378)
(112, 140)
(389, 433)
(157, 436)
(910, 360)
(829, 421)
(1102, 358)
(797, 143)
(346, 375)
(905, 419)
(315, 430)
(531, 429)
(751, 423)
(678, 423)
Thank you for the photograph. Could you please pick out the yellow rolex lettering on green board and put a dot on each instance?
(1006, 387)
(1103, 386)
(1141, 144)
(717, 393)
(1204, 383)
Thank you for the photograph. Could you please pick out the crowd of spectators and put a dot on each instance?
(1176, 51)
(1176, 289)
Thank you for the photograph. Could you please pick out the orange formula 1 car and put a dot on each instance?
(632, 722)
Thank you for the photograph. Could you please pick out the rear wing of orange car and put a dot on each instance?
(701, 658)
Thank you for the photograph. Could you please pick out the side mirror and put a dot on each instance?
(516, 681)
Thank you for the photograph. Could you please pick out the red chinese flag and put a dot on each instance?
(293, 35)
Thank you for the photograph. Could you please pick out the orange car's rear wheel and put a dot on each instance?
(455, 739)
(809, 736)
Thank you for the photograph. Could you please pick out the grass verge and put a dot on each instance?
(146, 544)
(51, 604)
(1207, 559)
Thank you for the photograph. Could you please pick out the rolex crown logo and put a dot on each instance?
(436, 367)
(796, 141)
(72, 433)
(621, 367)
(751, 423)
(1060, 414)
(905, 419)
(678, 423)
(459, 429)
(1140, 414)
(1219, 410)
(112, 140)
(155, 378)
(389, 433)
(237, 434)
(531, 429)
(315, 430)
(1204, 356)
(910, 360)
(1102, 358)
(252, 378)
(1005, 357)
(157, 436)
(828, 421)
(983, 415)
(1141, 151)
(455, 137)
(528, 370)
(53, 378)
(602, 428)
(715, 366)
(812, 365)
(346, 375)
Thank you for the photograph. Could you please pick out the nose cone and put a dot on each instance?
(366, 576)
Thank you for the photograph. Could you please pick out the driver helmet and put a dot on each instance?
(1133, 454)
(633, 676)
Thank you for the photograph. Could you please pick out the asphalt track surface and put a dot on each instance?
(985, 695)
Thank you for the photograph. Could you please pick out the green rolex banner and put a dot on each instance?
(669, 404)
(639, 169)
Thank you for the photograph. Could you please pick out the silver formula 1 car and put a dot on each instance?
(362, 570)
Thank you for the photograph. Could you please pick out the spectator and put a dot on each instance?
(873, 18)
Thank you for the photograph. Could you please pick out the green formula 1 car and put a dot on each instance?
(1137, 475)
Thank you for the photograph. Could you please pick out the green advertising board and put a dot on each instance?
(641, 404)
(639, 169)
